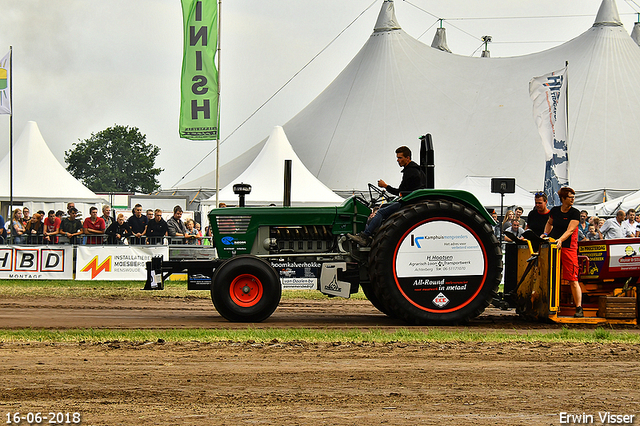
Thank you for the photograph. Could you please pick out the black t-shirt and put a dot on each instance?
(137, 224)
(561, 223)
(537, 221)
(157, 228)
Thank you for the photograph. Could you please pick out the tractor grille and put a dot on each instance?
(233, 224)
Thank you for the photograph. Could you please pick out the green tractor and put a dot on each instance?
(435, 261)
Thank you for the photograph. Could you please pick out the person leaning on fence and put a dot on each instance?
(106, 215)
(71, 227)
(176, 226)
(198, 228)
(191, 236)
(118, 231)
(138, 223)
(150, 215)
(157, 228)
(17, 227)
(33, 230)
(3, 232)
(94, 225)
(51, 228)
(25, 216)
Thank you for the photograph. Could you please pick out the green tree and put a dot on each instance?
(117, 159)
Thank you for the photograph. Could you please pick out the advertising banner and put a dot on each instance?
(116, 262)
(5, 84)
(624, 257)
(199, 83)
(36, 263)
(597, 254)
(298, 275)
(549, 95)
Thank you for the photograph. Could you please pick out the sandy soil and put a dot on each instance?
(193, 383)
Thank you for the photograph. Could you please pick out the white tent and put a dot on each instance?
(609, 208)
(478, 110)
(481, 187)
(38, 176)
(266, 177)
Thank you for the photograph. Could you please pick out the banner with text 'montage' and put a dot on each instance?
(36, 262)
(199, 84)
(116, 262)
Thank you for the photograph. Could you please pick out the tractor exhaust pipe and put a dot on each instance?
(427, 160)
(287, 183)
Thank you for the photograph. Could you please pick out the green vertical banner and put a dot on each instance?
(199, 84)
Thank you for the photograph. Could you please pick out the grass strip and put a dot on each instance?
(598, 335)
(130, 290)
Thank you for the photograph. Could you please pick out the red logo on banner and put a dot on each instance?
(95, 269)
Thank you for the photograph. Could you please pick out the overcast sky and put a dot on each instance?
(80, 66)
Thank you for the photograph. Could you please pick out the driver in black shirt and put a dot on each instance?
(412, 178)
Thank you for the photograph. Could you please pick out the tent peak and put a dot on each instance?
(608, 14)
(387, 18)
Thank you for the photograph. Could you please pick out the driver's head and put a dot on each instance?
(403, 156)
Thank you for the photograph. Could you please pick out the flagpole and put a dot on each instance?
(566, 106)
(9, 213)
(218, 113)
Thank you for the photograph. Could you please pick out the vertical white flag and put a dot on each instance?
(5, 84)
(549, 95)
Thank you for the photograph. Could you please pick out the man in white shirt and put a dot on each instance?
(612, 228)
(629, 225)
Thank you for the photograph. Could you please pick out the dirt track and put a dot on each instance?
(297, 382)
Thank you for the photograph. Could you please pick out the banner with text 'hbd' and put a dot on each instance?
(36, 262)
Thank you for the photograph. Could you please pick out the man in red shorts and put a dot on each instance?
(563, 227)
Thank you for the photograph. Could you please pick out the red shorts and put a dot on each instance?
(569, 262)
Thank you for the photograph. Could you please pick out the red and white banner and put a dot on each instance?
(624, 257)
(116, 262)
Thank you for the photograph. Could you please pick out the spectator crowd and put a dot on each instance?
(623, 225)
(58, 227)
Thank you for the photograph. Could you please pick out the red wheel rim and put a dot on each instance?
(246, 290)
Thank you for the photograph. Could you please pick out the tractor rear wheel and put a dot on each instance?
(370, 294)
(435, 262)
(245, 289)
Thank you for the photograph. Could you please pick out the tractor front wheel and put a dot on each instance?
(245, 289)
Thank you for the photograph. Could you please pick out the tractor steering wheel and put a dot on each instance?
(376, 195)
